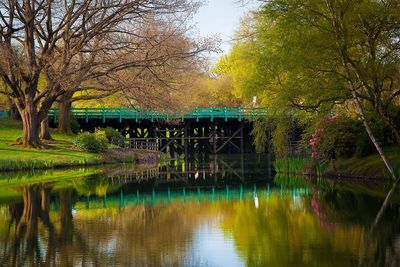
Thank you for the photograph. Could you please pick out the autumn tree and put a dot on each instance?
(54, 39)
(164, 51)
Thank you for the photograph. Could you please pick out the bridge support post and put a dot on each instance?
(206, 143)
(215, 139)
(172, 136)
(192, 135)
(229, 130)
(241, 139)
(186, 141)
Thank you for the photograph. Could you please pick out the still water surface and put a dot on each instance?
(211, 211)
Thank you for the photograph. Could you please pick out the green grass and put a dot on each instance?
(371, 165)
(18, 158)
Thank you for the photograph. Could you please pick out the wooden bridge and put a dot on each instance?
(175, 131)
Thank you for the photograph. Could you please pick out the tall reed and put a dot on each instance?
(300, 166)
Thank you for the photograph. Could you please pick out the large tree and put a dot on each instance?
(60, 40)
(314, 54)
(161, 53)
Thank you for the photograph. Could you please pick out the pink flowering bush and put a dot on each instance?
(334, 136)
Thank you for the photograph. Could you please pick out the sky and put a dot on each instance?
(221, 17)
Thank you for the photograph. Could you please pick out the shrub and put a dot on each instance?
(335, 137)
(381, 131)
(112, 134)
(75, 127)
(364, 146)
(93, 143)
(341, 136)
(102, 139)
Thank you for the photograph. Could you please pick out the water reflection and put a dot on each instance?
(26, 222)
(103, 221)
(204, 169)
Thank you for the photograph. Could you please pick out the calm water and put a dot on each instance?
(217, 211)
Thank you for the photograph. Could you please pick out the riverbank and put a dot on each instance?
(59, 153)
(369, 167)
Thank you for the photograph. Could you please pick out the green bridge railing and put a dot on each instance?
(143, 114)
(3, 114)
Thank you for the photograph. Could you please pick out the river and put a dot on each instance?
(209, 211)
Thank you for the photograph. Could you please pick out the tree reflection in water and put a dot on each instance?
(53, 227)
(35, 236)
(22, 242)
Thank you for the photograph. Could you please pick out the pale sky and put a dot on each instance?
(221, 17)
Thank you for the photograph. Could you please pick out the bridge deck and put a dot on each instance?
(183, 114)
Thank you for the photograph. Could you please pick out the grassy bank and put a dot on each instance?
(60, 152)
(370, 166)
(357, 167)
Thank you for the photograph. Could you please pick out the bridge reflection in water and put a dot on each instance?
(202, 169)
(202, 179)
(189, 195)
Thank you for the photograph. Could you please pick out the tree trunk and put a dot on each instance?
(14, 114)
(30, 126)
(64, 116)
(45, 130)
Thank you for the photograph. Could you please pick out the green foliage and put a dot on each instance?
(364, 146)
(102, 139)
(281, 127)
(93, 143)
(342, 136)
(287, 55)
(280, 138)
(259, 133)
(111, 134)
(338, 138)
